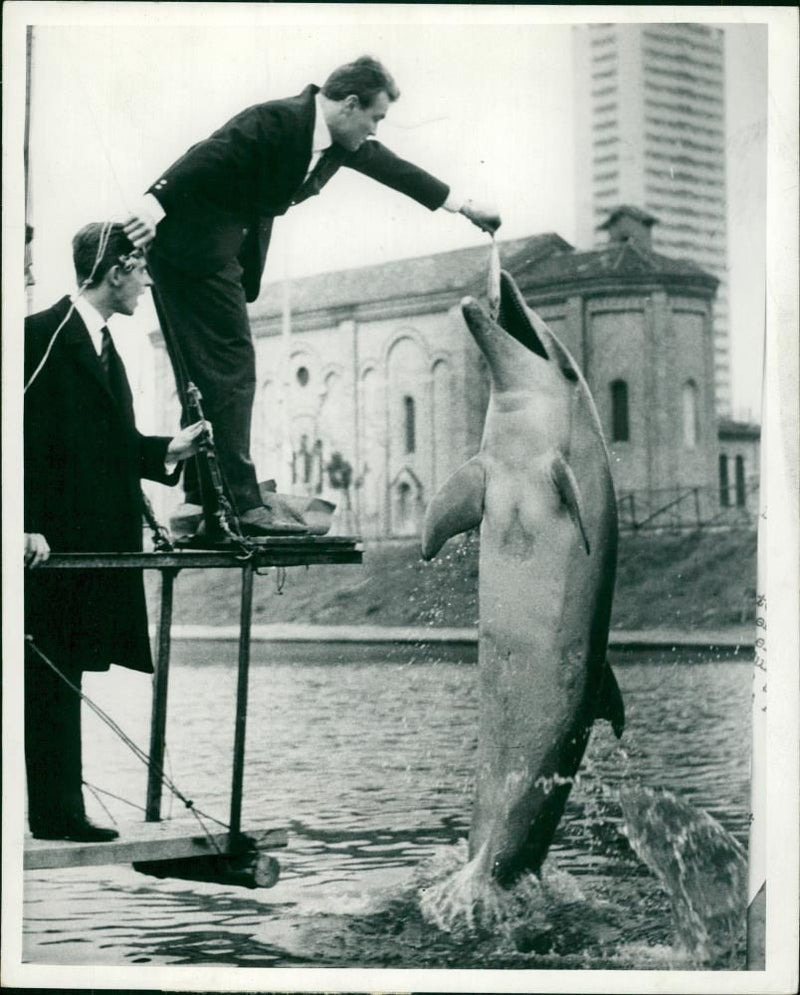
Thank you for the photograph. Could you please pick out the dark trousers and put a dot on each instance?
(52, 742)
(207, 332)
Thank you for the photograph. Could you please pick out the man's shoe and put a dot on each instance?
(263, 521)
(284, 509)
(78, 829)
(185, 519)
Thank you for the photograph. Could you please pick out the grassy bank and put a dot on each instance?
(692, 581)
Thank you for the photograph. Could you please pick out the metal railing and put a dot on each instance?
(689, 508)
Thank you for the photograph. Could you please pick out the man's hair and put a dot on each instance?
(86, 244)
(365, 77)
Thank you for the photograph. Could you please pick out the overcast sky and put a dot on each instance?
(485, 106)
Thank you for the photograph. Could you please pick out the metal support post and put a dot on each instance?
(158, 722)
(241, 701)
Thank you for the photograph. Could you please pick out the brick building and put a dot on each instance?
(368, 377)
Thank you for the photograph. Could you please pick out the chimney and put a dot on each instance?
(630, 224)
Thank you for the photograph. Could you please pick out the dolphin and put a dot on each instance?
(541, 491)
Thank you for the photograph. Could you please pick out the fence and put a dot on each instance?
(689, 508)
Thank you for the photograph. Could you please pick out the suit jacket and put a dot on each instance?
(221, 196)
(83, 462)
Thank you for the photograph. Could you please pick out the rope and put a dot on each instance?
(104, 791)
(135, 749)
(96, 793)
(102, 244)
(162, 540)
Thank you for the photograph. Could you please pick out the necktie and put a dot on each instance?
(111, 364)
(319, 175)
(105, 350)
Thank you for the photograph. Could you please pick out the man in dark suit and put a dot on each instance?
(209, 218)
(84, 460)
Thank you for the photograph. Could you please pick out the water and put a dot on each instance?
(370, 766)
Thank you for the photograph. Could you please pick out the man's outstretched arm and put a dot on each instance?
(379, 163)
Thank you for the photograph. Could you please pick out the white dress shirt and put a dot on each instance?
(94, 321)
(321, 139)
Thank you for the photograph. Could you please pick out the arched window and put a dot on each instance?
(724, 483)
(403, 500)
(410, 424)
(741, 497)
(690, 420)
(620, 430)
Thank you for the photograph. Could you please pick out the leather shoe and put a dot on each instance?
(77, 828)
(275, 521)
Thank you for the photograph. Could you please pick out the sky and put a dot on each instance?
(486, 104)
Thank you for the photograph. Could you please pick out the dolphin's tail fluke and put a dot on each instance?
(609, 701)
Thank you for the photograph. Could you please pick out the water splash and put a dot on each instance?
(459, 898)
(701, 866)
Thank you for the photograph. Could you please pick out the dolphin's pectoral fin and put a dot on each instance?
(456, 507)
(567, 487)
(609, 701)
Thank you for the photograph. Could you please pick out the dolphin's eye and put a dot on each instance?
(569, 373)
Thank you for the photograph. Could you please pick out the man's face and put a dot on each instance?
(131, 285)
(354, 124)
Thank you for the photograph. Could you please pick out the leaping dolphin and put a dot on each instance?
(541, 490)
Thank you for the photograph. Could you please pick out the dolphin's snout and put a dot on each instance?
(478, 322)
(470, 308)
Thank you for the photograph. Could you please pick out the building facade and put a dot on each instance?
(371, 392)
(650, 131)
(739, 466)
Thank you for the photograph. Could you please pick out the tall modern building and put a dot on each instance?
(650, 132)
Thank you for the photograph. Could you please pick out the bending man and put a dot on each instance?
(209, 217)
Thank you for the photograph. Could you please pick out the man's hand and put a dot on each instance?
(36, 549)
(140, 227)
(188, 441)
(487, 218)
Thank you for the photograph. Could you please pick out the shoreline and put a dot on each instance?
(738, 639)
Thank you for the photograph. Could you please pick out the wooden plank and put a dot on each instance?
(142, 841)
(276, 552)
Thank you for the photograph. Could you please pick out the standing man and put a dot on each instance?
(209, 218)
(83, 463)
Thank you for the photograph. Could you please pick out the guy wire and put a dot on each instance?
(137, 750)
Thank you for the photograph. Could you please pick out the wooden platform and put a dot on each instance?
(142, 841)
(277, 551)
(182, 847)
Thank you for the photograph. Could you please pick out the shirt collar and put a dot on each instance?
(321, 139)
(93, 320)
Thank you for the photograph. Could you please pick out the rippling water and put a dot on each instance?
(370, 766)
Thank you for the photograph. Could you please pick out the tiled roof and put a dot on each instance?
(535, 261)
(617, 259)
(446, 272)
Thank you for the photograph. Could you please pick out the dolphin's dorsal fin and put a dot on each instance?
(456, 507)
(567, 487)
(609, 701)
